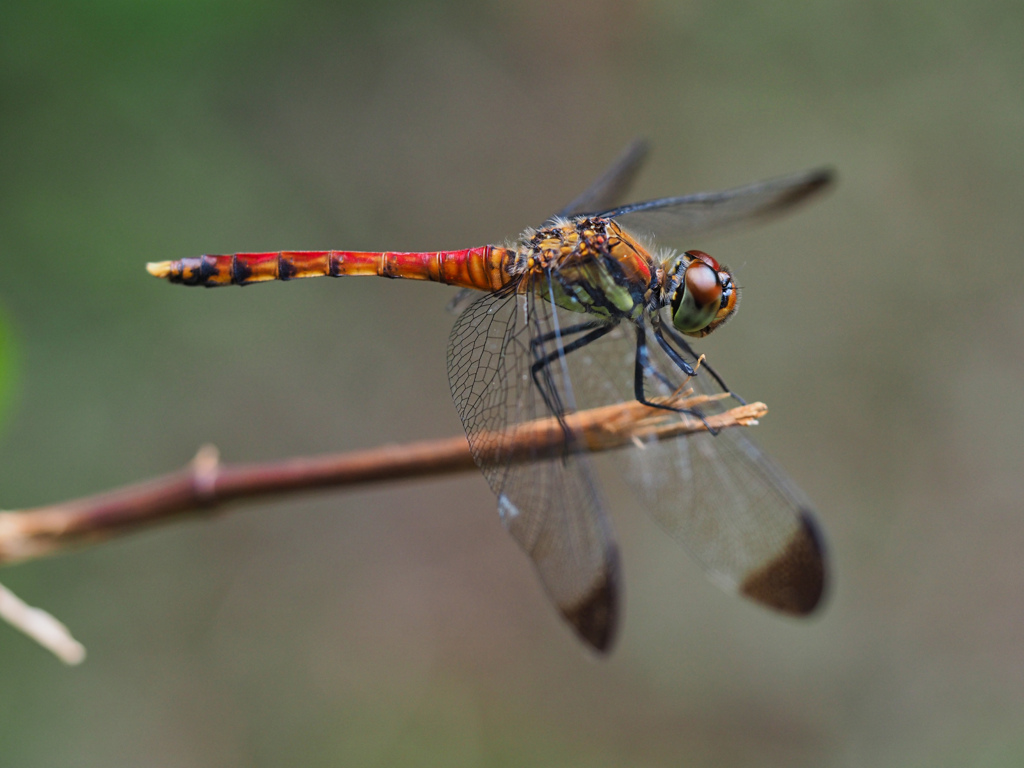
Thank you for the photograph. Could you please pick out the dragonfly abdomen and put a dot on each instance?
(483, 268)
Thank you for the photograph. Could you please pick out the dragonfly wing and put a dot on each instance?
(462, 299)
(734, 510)
(609, 188)
(704, 213)
(550, 505)
(747, 524)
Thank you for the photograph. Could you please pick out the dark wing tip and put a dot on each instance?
(813, 182)
(596, 617)
(793, 582)
(821, 178)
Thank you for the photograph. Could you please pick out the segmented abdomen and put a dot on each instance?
(484, 268)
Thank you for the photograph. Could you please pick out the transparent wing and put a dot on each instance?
(718, 495)
(550, 505)
(606, 190)
(609, 188)
(709, 212)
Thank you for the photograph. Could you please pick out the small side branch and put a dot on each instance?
(206, 484)
(41, 627)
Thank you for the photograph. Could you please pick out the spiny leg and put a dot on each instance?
(571, 330)
(643, 367)
(544, 363)
(676, 358)
(684, 344)
(558, 334)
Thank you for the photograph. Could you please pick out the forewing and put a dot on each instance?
(704, 213)
(606, 190)
(549, 505)
(718, 495)
(610, 187)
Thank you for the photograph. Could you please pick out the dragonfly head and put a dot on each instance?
(701, 293)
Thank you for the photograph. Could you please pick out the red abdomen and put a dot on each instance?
(485, 268)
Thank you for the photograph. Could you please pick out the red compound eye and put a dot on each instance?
(702, 283)
(706, 258)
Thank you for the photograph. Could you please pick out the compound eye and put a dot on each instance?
(703, 284)
(697, 299)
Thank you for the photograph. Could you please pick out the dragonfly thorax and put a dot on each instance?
(590, 265)
(700, 292)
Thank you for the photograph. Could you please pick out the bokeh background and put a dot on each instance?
(400, 625)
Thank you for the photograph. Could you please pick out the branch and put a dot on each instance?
(205, 484)
(41, 627)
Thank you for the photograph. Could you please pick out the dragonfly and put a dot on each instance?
(594, 307)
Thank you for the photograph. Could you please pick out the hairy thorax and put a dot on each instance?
(595, 267)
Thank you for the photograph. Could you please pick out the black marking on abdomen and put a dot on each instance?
(240, 271)
(207, 269)
(285, 269)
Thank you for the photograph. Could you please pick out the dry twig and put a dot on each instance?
(206, 484)
(41, 627)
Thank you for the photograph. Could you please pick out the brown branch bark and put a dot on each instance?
(205, 484)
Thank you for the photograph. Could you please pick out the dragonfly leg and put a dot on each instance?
(563, 332)
(676, 358)
(548, 390)
(685, 346)
(643, 367)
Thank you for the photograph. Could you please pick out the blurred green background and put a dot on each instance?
(400, 624)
